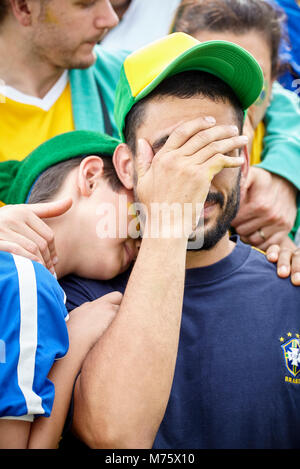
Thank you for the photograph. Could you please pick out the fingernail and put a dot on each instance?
(283, 270)
(235, 129)
(296, 278)
(244, 139)
(54, 273)
(55, 260)
(272, 256)
(210, 119)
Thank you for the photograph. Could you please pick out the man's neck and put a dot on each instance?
(204, 258)
(22, 70)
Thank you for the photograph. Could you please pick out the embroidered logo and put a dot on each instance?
(291, 353)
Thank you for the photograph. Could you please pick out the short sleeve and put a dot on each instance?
(33, 329)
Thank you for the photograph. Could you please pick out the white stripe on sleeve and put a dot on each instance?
(28, 333)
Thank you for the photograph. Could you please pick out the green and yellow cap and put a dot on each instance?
(146, 68)
(18, 177)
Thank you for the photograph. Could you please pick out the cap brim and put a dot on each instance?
(228, 61)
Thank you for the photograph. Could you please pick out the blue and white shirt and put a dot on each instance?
(33, 334)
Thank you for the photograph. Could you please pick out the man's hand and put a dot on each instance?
(268, 211)
(287, 256)
(193, 154)
(23, 232)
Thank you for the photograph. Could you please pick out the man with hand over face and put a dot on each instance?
(237, 322)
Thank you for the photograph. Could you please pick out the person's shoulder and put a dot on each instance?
(21, 276)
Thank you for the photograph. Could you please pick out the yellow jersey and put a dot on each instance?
(35, 119)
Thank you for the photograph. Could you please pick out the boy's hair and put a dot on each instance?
(51, 180)
(184, 85)
(236, 16)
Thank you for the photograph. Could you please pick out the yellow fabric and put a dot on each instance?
(259, 250)
(33, 125)
(257, 145)
(136, 65)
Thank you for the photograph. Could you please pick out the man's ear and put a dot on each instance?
(244, 170)
(22, 10)
(90, 174)
(124, 166)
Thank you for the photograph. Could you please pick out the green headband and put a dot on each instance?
(17, 177)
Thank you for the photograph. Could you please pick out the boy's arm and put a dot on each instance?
(14, 434)
(32, 309)
(86, 324)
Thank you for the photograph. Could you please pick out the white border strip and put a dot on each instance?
(28, 333)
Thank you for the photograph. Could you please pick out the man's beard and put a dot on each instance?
(215, 234)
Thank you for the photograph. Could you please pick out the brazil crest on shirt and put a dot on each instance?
(291, 350)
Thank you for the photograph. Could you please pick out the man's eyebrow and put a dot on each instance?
(159, 143)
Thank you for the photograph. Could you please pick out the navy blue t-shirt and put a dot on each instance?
(237, 376)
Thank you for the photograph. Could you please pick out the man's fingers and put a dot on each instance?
(218, 162)
(183, 132)
(256, 233)
(295, 268)
(272, 253)
(288, 261)
(219, 147)
(214, 139)
(144, 157)
(51, 209)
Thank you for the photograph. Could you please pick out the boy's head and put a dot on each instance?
(182, 79)
(92, 237)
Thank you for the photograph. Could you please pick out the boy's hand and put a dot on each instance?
(89, 321)
(23, 232)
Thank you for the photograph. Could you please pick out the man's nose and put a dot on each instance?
(106, 17)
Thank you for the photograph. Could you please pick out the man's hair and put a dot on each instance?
(50, 181)
(184, 85)
(236, 16)
(4, 6)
